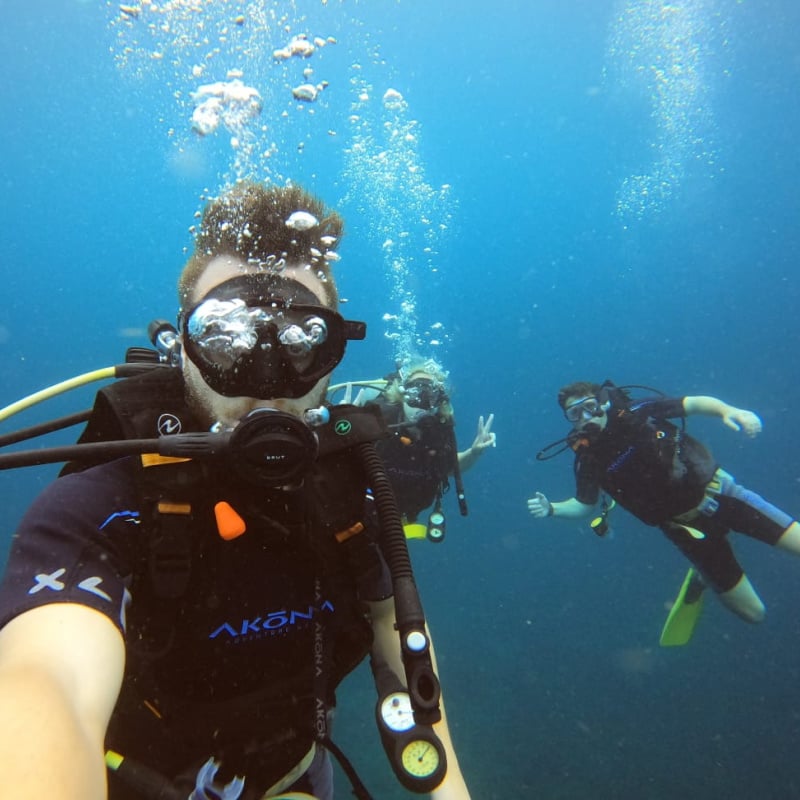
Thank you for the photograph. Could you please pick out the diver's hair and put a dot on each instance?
(578, 389)
(617, 395)
(249, 222)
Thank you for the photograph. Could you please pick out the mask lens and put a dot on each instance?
(424, 394)
(223, 330)
(582, 409)
(299, 340)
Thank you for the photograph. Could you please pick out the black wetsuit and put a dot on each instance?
(660, 474)
(419, 458)
(228, 667)
(646, 463)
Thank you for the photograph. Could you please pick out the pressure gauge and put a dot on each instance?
(420, 758)
(415, 751)
(396, 712)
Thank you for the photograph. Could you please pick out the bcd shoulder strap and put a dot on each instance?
(140, 407)
(350, 426)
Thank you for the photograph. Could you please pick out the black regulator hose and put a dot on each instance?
(457, 479)
(55, 455)
(422, 683)
(144, 781)
(45, 427)
(393, 544)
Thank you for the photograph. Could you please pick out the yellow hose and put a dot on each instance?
(56, 389)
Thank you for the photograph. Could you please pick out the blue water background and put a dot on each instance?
(535, 113)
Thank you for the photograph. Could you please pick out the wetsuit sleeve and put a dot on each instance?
(73, 546)
(587, 485)
(660, 407)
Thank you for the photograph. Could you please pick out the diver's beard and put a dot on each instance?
(212, 408)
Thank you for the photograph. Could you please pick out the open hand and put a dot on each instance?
(741, 420)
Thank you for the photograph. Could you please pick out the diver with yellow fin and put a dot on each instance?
(631, 450)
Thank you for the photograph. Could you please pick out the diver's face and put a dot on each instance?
(583, 410)
(213, 407)
(423, 395)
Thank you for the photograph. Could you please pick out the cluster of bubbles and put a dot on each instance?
(228, 102)
(406, 214)
(232, 69)
(662, 50)
(185, 33)
(217, 60)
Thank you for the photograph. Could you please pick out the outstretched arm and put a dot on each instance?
(61, 668)
(539, 506)
(483, 439)
(738, 419)
(386, 648)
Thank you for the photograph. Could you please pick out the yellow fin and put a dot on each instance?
(684, 614)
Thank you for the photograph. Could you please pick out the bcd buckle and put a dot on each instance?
(206, 789)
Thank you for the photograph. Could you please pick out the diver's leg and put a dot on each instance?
(711, 554)
(749, 513)
(743, 601)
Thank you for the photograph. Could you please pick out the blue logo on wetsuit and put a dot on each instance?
(126, 516)
(272, 623)
(620, 459)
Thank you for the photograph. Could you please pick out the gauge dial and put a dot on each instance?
(420, 758)
(396, 711)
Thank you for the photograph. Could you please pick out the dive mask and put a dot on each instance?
(583, 410)
(423, 393)
(264, 336)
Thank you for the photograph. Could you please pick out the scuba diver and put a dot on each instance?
(629, 449)
(421, 454)
(221, 550)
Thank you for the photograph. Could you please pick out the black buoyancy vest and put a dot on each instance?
(650, 466)
(324, 534)
(419, 458)
(153, 404)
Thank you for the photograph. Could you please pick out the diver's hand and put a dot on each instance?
(484, 438)
(741, 420)
(348, 394)
(539, 506)
(347, 397)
